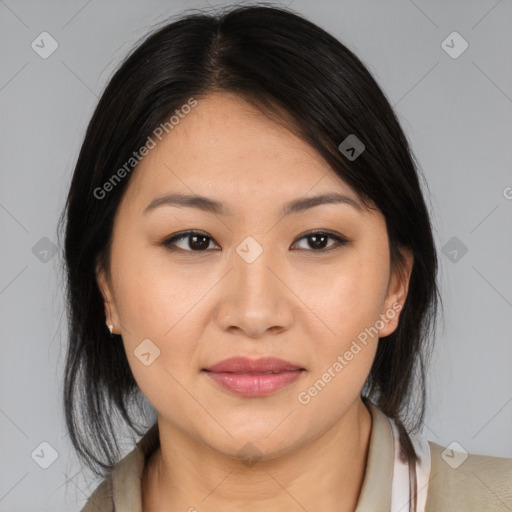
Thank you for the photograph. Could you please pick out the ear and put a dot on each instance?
(108, 298)
(396, 294)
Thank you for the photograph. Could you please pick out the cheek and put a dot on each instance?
(158, 304)
(152, 295)
(155, 307)
(348, 302)
(349, 297)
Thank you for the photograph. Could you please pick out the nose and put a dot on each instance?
(255, 299)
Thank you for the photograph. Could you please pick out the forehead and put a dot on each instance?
(227, 148)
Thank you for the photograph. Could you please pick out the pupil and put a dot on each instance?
(203, 245)
(316, 238)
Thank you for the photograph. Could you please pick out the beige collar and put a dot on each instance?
(375, 492)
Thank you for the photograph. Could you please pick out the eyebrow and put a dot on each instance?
(211, 205)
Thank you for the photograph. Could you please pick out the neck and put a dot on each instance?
(326, 473)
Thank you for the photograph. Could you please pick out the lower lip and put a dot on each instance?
(245, 384)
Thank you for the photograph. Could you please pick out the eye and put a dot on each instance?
(318, 239)
(197, 241)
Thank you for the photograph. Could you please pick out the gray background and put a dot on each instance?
(457, 113)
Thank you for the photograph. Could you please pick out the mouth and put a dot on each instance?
(245, 365)
(254, 378)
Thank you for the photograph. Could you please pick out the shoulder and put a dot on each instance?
(121, 490)
(101, 500)
(468, 482)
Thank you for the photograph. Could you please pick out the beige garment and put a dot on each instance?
(480, 484)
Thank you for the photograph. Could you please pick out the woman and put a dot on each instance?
(246, 219)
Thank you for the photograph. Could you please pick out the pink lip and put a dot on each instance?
(247, 377)
(246, 365)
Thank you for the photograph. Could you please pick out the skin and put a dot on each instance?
(294, 302)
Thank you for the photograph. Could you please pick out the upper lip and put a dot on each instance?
(246, 365)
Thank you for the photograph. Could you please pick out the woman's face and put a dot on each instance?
(253, 285)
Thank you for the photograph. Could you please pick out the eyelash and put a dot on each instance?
(339, 241)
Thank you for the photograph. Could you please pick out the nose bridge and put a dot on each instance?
(256, 299)
(252, 263)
